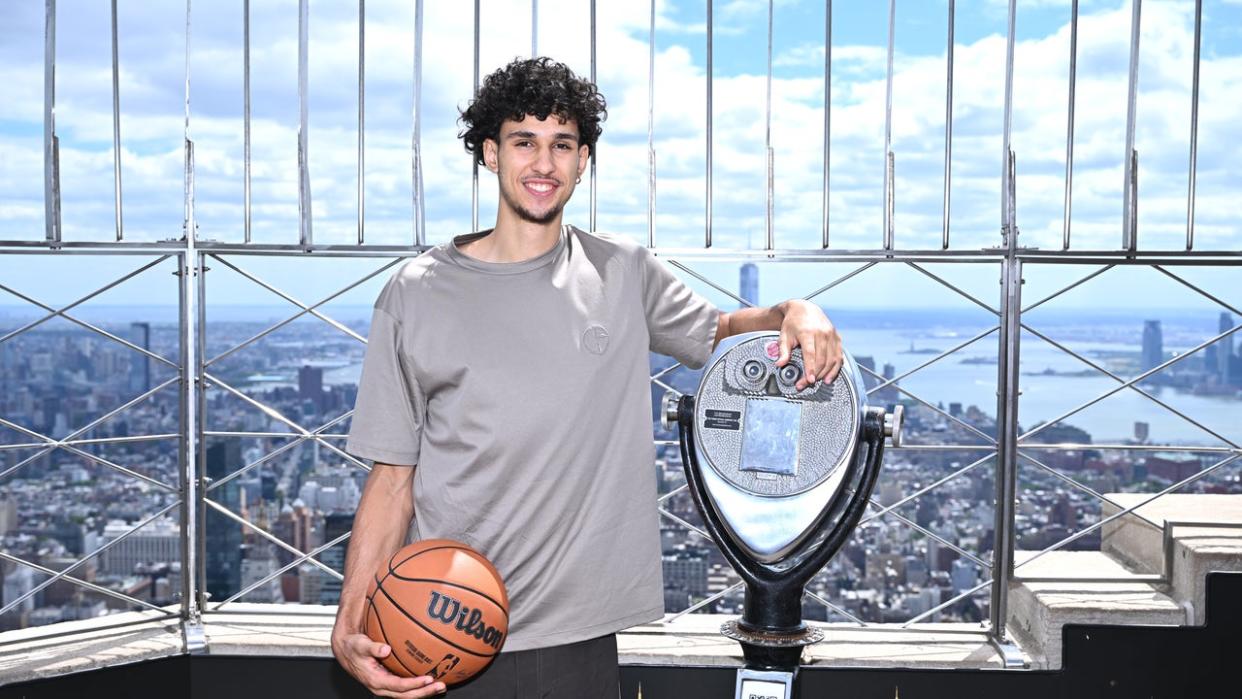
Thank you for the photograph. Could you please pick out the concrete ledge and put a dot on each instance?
(286, 630)
(696, 640)
(1197, 550)
(1039, 610)
(77, 646)
(302, 631)
(254, 629)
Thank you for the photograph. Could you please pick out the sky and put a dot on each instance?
(152, 51)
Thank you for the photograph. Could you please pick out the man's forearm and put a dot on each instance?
(745, 320)
(380, 525)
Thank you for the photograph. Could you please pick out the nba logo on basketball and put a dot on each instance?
(448, 662)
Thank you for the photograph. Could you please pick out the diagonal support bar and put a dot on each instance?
(74, 566)
(1129, 510)
(88, 585)
(299, 314)
(1132, 387)
(296, 440)
(703, 603)
(69, 440)
(276, 415)
(268, 535)
(291, 564)
(933, 360)
(921, 491)
(1083, 487)
(1156, 369)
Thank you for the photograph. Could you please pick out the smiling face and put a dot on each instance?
(536, 162)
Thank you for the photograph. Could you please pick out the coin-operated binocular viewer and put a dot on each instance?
(781, 478)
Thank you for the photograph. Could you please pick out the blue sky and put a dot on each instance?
(152, 52)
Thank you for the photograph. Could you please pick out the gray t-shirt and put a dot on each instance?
(521, 391)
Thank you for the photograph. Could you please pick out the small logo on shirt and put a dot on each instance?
(595, 339)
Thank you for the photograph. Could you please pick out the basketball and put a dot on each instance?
(442, 608)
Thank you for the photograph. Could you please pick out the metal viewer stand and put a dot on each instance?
(781, 477)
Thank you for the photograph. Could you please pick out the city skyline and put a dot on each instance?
(897, 566)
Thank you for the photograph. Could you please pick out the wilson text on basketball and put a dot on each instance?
(450, 612)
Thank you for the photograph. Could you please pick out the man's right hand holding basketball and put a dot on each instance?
(380, 524)
(360, 656)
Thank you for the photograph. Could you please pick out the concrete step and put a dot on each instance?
(1038, 610)
(1204, 534)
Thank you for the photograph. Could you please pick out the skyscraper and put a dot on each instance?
(334, 525)
(749, 283)
(223, 536)
(140, 364)
(1153, 345)
(310, 386)
(889, 392)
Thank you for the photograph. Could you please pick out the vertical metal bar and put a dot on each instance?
(1129, 237)
(416, 157)
(948, 132)
(1194, 131)
(1069, 129)
(474, 168)
(1007, 451)
(198, 459)
(769, 242)
(362, 118)
(189, 558)
(651, 155)
(246, 117)
(890, 177)
(51, 154)
(1007, 184)
(305, 231)
(116, 128)
(186, 427)
(888, 129)
(595, 149)
(1013, 191)
(189, 485)
(827, 113)
(707, 222)
(191, 225)
(1133, 203)
(191, 574)
(534, 28)
(1007, 368)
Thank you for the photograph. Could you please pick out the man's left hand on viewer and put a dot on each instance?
(806, 326)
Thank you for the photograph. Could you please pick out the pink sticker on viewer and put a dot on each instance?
(773, 349)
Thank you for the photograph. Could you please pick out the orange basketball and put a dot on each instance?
(442, 608)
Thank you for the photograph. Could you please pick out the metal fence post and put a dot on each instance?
(193, 635)
(51, 144)
(1007, 375)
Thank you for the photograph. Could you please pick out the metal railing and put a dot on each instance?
(1003, 453)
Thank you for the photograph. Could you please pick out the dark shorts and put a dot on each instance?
(583, 670)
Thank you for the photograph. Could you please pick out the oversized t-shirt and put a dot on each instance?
(521, 392)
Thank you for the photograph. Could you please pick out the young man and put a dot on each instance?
(505, 400)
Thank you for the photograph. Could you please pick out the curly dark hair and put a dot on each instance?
(538, 86)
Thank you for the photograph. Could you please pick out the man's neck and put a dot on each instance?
(514, 241)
